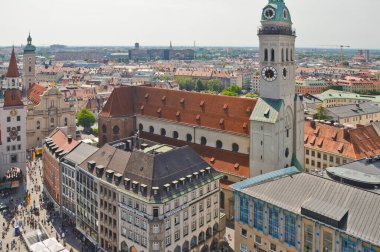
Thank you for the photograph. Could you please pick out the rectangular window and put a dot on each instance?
(258, 239)
(258, 215)
(308, 238)
(18, 118)
(156, 246)
(318, 155)
(324, 157)
(307, 151)
(244, 210)
(290, 229)
(8, 119)
(273, 247)
(307, 161)
(243, 232)
(313, 153)
(327, 242)
(243, 247)
(331, 158)
(347, 245)
(274, 222)
(155, 212)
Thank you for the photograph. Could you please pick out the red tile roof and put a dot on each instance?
(35, 92)
(120, 103)
(12, 97)
(207, 110)
(61, 140)
(353, 143)
(12, 69)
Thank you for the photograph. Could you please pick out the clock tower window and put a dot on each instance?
(287, 54)
(266, 55)
(272, 55)
(282, 54)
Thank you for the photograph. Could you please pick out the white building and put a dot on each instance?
(277, 121)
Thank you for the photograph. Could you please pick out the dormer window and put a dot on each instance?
(175, 183)
(183, 180)
(91, 165)
(135, 185)
(167, 187)
(202, 172)
(143, 188)
(155, 190)
(189, 177)
(109, 174)
(196, 175)
(208, 169)
(127, 182)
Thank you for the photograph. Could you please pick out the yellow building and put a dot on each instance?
(287, 210)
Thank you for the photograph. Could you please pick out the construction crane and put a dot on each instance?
(341, 51)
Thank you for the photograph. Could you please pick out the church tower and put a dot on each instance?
(29, 77)
(277, 120)
(13, 78)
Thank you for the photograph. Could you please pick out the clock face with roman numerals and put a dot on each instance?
(269, 74)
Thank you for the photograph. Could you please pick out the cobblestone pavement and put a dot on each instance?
(27, 220)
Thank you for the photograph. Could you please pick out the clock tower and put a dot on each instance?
(29, 77)
(277, 120)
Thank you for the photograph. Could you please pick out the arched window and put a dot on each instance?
(163, 132)
(104, 128)
(151, 129)
(219, 144)
(266, 55)
(235, 147)
(141, 127)
(287, 54)
(115, 129)
(291, 54)
(287, 152)
(203, 141)
(175, 134)
(189, 137)
(38, 125)
(282, 54)
(65, 121)
(30, 69)
(272, 55)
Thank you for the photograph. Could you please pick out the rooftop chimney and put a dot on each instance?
(69, 138)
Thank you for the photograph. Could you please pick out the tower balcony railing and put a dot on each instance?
(276, 31)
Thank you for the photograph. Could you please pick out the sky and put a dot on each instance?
(208, 22)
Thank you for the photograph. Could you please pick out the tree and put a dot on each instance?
(232, 90)
(86, 118)
(214, 85)
(199, 86)
(322, 113)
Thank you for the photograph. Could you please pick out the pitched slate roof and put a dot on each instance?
(80, 153)
(266, 110)
(363, 206)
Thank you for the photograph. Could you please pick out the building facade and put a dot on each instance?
(67, 165)
(140, 208)
(56, 145)
(310, 86)
(276, 124)
(313, 220)
(13, 131)
(47, 110)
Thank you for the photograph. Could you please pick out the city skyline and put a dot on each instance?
(216, 23)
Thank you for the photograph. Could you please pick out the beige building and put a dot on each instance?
(46, 111)
(330, 146)
(167, 201)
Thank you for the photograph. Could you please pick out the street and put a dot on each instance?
(27, 216)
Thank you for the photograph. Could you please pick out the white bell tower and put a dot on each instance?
(277, 120)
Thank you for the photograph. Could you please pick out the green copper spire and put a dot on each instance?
(29, 48)
(276, 10)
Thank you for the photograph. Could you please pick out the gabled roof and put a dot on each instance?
(12, 69)
(12, 97)
(120, 103)
(266, 110)
(35, 92)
